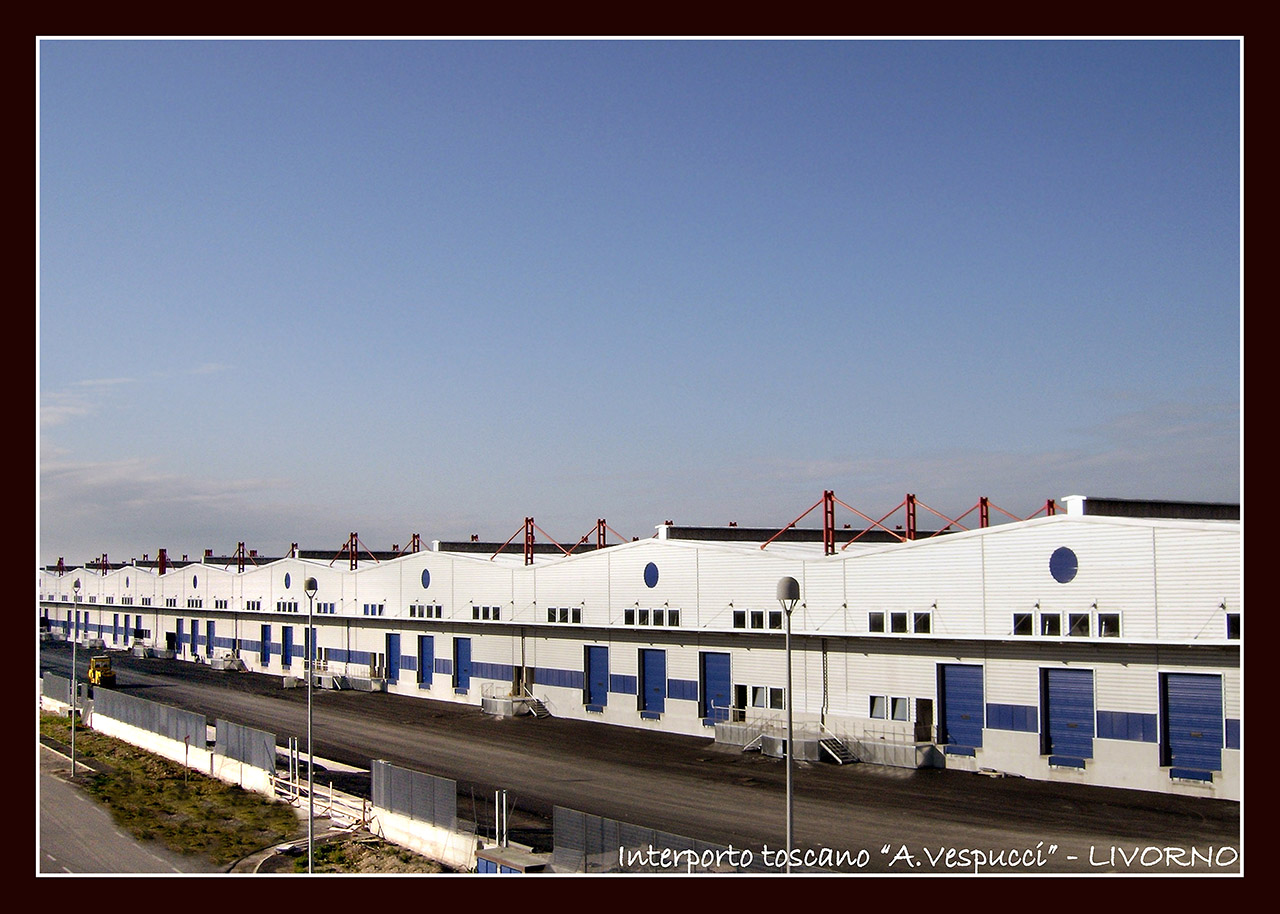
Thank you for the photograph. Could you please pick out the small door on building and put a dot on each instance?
(426, 659)
(208, 641)
(195, 637)
(115, 628)
(652, 688)
(286, 646)
(924, 720)
(264, 651)
(741, 701)
(713, 682)
(182, 641)
(1067, 718)
(596, 692)
(960, 701)
(171, 641)
(461, 665)
(393, 656)
(1191, 724)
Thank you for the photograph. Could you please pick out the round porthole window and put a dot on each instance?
(126, 581)
(1063, 565)
(426, 579)
(651, 575)
(286, 580)
(193, 581)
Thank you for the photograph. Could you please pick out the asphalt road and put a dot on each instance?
(906, 821)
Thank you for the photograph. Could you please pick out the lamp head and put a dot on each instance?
(310, 587)
(788, 593)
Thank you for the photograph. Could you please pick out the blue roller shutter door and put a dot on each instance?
(264, 652)
(597, 677)
(181, 644)
(208, 641)
(715, 676)
(1067, 703)
(286, 651)
(461, 665)
(393, 657)
(960, 697)
(426, 659)
(653, 681)
(1191, 734)
(115, 628)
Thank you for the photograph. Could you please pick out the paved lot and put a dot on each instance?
(904, 820)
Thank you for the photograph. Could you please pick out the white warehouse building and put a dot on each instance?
(1099, 646)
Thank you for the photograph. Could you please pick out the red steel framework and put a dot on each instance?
(909, 505)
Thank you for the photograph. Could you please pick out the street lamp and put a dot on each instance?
(310, 588)
(789, 596)
(75, 636)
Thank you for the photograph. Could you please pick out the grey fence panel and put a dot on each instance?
(56, 687)
(246, 744)
(151, 716)
(587, 843)
(420, 796)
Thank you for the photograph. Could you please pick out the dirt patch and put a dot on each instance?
(359, 853)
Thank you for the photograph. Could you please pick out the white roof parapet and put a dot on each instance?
(1075, 504)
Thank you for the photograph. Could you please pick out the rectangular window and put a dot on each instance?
(659, 617)
(1079, 623)
(475, 612)
(496, 611)
(1022, 624)
(551, 614)
(777, 699)
(775, 620)
(644, 617)
(759, 697)
(898, 623)
(879, 707)
(575, 616)
(1050, 624)
(739, 618)
(564, 614)
(673, 617)
(1108, 625)
(923, 623)
(898, 708)
(628, 617)
(484, 612)
(1233, 626)
(757, 618)
(875, 622)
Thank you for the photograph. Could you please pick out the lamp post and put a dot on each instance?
(75, 636)
(789, 596)
(310, 589)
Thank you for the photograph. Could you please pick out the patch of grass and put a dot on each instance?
(365, 855)
(155, 799)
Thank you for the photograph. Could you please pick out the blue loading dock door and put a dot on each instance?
(597, 677)
(426, 659)
(714, 682)
(208, 641)
(195, 637)
(264, 652)
(653, 681)
(286, 649)
(1191, 734)
(115, 628)
(393, 657)
(960, 700)
(1066, 700)
(182, 645)
(461, 664)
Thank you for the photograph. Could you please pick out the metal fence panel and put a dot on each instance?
(246, 744)
(416, 794)
(151, 716)
(586, 843)
(56, 687)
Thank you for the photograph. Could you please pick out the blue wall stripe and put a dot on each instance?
(483, 670)
(1233, 733)
(682, 689)
(444, 666)
(621, 684)
(1019, 718)
(567, 679)
(1128, 725)
(409, 663)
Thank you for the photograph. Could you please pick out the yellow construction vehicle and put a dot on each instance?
(100, 672)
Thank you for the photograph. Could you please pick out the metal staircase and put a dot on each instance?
(836, 750)
(538, 709)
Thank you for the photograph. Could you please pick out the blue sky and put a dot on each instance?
(294, 289)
